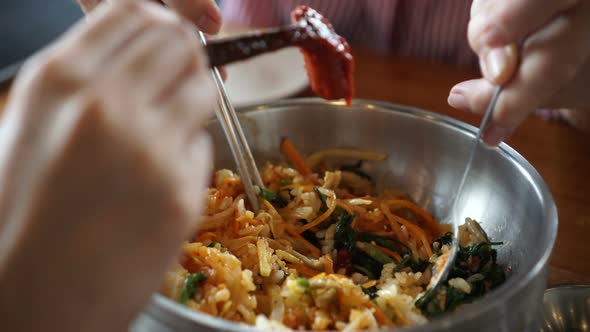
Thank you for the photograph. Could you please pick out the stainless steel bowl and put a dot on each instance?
(566, 308)
(426, 155)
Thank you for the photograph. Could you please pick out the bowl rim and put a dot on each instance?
(506, 291)
(567, 286)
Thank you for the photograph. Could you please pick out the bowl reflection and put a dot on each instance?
(566, 308)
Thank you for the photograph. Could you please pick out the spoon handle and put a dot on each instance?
(455, 221)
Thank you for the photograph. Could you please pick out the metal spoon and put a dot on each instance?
(454, 214)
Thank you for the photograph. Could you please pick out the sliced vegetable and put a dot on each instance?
(428, 219)
(214, 243)
(344, 237)
(414, 265)
(312, 248)
(374, 252)
(273, 198)
(356, 168)
(446, 239)
(367, 265)
(365, 271)
(394, 255)
(389, 243)
(338, 211)
(303, 270)
(190, 286)
(476, 264)
(455, 298)
(371, 291)
(294, 157)
(322, 197)
(285, 182)
(311, 238)
(304, 282)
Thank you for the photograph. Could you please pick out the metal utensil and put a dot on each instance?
(508, 197)
(232, 129)
(454, 215)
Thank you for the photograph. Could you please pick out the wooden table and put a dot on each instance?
(558, 152)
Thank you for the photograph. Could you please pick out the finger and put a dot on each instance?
(472, 95)
(190, 103)
(153, 62)
(500, 23)
(194, 163)
(497, 26)
(475, 95)
(498, 65)
(84, 50)
(88, 5)
(544, 70)
(79, 56)
(204, 13)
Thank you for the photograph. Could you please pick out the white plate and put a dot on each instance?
(266, 77)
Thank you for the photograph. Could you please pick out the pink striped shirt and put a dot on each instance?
(435, 30)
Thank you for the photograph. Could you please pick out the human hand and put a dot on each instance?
(204, 13)
(103, 167)
(554, 65)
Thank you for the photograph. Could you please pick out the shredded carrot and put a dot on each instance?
(243, 221)
(229, 181)
(321, 218)
(236, 225)
(379, 315)
(418, 233)
(303, 270)
(399, 315)
(367, 227)
(205, 236)
(441, 263)
(430, 222)
(230, 187)
(314, 250)
(348, 195)
(246, 220)
(384, 233)
(370, 284)
(390, 253)
(294, 157)
(329, 264)
(395, 227)
(445, 228)
(272, 209)
(348, 209)
(345, 206)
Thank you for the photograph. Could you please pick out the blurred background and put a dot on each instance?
(28, 25)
